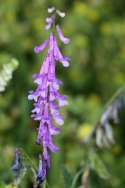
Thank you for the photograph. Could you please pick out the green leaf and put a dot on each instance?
(2, 185)
(67, 178)
(98, 166)
(6, 71)
(9, 186)
(75, 179)
(6, 122)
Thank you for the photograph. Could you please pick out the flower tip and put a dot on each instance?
(30, 97)
(47, 27)
(51, 9)
(60, 121)
(65, 63)
(67, 41)
(36, 50)
(61, 14)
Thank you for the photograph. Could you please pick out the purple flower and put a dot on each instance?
(49, 21)
(17, 165)
(42, 171)
(65, 40)
(47, 99)
(41, 47)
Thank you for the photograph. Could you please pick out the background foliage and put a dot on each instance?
(97, 50)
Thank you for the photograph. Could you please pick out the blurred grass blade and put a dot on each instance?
(98, 166)
(19, 176)
(67, 178)
(74, 182)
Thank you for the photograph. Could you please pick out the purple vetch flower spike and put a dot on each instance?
(47, 98)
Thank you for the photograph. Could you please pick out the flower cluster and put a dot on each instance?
(47, 99)
(17, 165)
(104, 134)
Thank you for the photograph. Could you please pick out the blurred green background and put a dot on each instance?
(97, 50)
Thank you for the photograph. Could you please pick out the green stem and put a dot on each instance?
(76, 178)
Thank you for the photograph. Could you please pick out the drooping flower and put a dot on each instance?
(17, 165)
(47, 99)
(104, 133)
